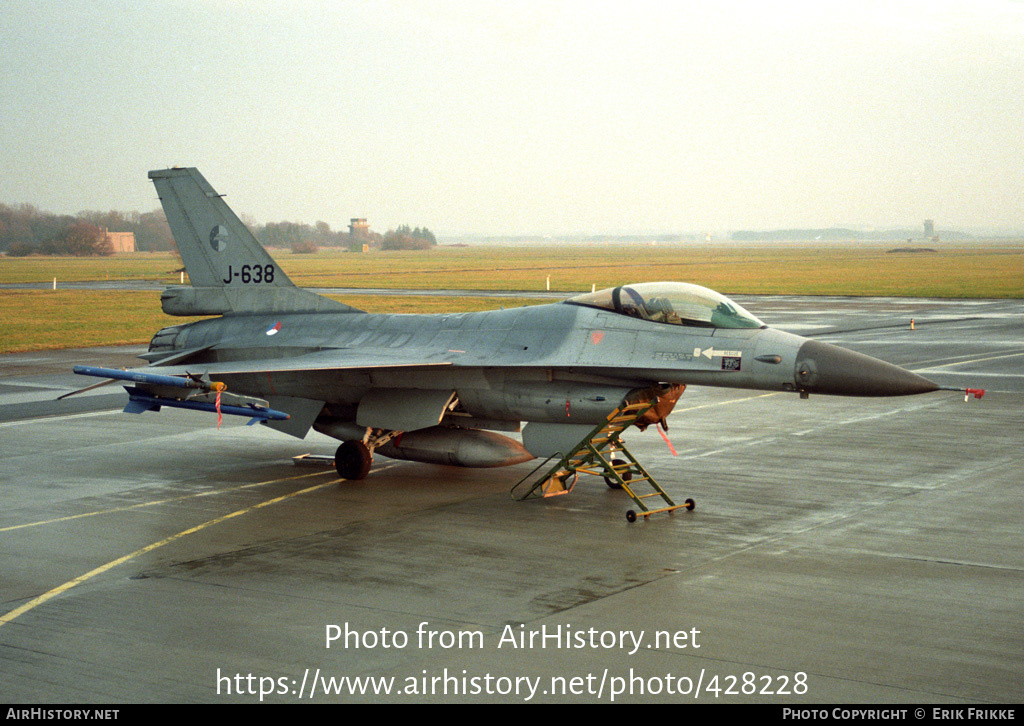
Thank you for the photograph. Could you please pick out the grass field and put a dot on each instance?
(42, 319)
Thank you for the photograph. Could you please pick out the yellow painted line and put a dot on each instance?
(158, 501)
(149, 548)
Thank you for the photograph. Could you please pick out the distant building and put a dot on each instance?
(929, 230)
(122, 241)
(359, 227)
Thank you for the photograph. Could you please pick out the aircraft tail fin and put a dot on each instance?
(228, 268)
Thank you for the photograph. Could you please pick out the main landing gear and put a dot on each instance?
(622, 466)
(352, 460)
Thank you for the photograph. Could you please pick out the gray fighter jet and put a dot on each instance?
(437, 388)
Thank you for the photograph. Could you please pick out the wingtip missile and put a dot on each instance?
(140, 400)
(153, 379)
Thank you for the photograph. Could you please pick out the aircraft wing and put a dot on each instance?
(283, 390)
(195, 385)
(322, 360)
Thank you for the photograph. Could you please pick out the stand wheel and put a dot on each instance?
(630, 516)
(690, 505)
(352, 460)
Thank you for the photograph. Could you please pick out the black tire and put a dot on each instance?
(630, 516)
(352, 460)
(690, 504)
(612, 484)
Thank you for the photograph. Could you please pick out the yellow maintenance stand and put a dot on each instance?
(602, 453)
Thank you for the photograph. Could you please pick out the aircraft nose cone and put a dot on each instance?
(825, 368)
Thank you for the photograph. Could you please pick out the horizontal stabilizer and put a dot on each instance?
(187, 301)
(163, 356)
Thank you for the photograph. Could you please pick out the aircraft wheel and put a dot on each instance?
(352, 460)
(627, 475)
(630, 516)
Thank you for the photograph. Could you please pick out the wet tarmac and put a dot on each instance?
(842, 550)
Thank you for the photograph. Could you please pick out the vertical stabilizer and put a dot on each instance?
(214, 244)
(228, 268)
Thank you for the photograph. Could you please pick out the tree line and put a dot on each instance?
(26, 230)
(305, 238)
(406, 238)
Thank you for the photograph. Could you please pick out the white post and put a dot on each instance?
(549, 282)
(55, 283)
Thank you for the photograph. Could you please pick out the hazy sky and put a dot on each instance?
(524, 117)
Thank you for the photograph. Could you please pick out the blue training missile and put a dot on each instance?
(139, 401)
(154, 379)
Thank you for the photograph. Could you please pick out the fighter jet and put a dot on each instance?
(439, 388)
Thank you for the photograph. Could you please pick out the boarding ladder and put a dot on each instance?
(598, 454)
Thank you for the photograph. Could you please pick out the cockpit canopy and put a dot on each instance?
(675, 303)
